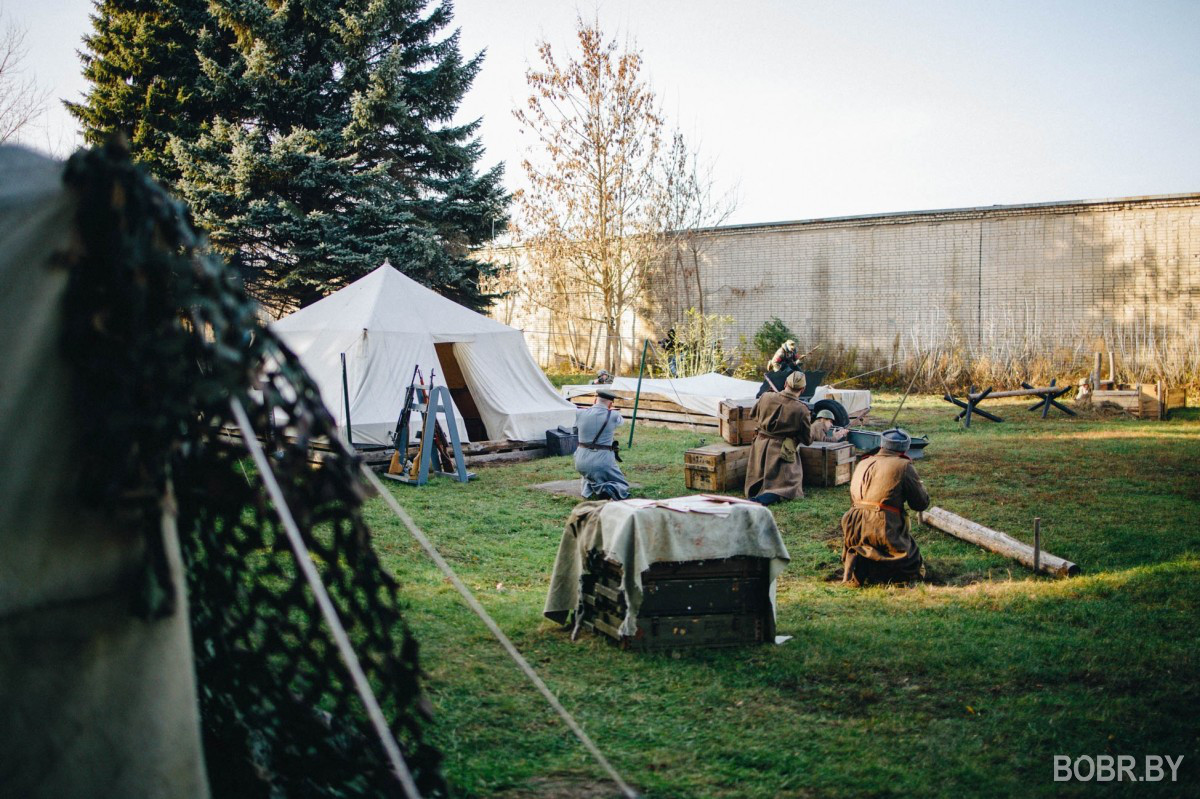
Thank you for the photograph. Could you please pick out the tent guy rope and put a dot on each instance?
(345, 648)
(482, 613)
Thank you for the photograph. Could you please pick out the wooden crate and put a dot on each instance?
(737, 424)
(716, 603)
(1171, 398)
(717, 467)
(1142, 400)
(827, 463)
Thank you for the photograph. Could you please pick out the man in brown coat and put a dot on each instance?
(876, 544)
(774, 471)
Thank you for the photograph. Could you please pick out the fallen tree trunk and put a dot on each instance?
(995, 541)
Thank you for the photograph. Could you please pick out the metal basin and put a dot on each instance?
(871, 439)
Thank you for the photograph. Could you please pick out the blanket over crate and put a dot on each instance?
(638, 537)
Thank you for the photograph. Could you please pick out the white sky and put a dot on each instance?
(816, 109)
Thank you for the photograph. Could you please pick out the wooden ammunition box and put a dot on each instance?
(717, 467)
(677, 632)
(737, 425)
(827, 463)
(713, 603)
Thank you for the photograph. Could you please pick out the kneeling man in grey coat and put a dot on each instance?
(596, 459)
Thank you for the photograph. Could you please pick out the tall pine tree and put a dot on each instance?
(326, 143)
(144, 74)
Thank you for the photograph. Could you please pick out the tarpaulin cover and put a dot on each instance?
(701, 394)
(638, 537)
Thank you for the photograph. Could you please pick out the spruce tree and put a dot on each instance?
(141, 62)
(327, 144)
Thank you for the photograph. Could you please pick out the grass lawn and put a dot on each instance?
(968, 684)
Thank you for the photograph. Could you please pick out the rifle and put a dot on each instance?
(441, 445)
(400, 436)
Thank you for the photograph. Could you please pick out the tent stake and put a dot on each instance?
(1037, 543)
(638, 394)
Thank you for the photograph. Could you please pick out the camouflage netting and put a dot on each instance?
(162, 336)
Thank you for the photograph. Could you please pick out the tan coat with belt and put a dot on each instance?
(876, 544)
(774, 466)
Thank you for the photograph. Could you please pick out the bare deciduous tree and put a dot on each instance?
(590, 220)
(690, 203)
(21, 99)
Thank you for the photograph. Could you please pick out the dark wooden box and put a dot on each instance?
(710, 603)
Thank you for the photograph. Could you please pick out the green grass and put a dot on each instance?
(968, 684)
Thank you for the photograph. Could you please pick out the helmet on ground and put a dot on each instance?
(895, 440)
(825, 413)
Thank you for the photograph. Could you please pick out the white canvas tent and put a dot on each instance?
(385, 324)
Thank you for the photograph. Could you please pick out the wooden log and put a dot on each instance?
(512, 456)
(1020, 392)
(995, 541)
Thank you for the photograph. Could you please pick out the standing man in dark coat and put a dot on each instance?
(774, 471)
(596, 458)
(876, 544)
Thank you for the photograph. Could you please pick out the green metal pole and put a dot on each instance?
(638, 395)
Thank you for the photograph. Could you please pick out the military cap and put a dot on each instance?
(896, 440)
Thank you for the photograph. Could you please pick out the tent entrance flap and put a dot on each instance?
(460, 392)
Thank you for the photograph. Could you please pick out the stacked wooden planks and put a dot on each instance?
(654, 410)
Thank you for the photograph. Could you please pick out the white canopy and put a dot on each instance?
(703, 393)
(387, 323)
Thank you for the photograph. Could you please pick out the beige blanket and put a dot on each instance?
(638, 537)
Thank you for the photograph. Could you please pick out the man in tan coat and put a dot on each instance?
(876, 544)
(774, 471)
